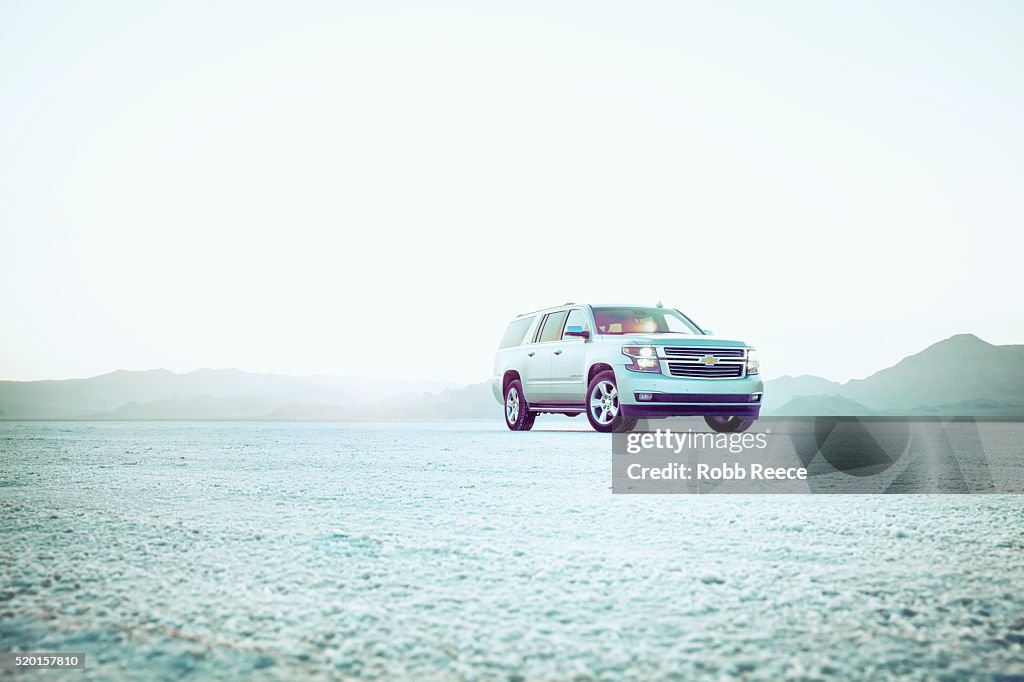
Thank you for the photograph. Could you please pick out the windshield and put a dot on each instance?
(622, 320)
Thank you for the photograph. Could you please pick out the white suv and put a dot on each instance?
(621, 363)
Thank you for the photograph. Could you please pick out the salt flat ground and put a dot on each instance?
(463, 551)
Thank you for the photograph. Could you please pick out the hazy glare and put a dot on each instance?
(372, 188)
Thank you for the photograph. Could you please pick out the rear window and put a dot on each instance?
(516, 332)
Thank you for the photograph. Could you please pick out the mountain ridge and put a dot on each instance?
(107, 395)
(962, 375)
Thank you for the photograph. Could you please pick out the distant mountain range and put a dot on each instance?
(215, 394)
(962, 376)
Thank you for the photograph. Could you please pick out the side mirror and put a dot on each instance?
(576, 330)
(708, 332)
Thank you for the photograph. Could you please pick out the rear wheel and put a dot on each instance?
(517, 411)
(603, 409)
(729, 424)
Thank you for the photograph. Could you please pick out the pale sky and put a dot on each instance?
(376, 188)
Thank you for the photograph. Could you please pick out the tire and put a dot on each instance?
(603, 410)
(517, 411)
(730, 424)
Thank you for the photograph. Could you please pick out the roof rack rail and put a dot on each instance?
(547, 308)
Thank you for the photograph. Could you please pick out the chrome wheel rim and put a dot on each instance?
(721, 420)
(604, 402)
(512, 406)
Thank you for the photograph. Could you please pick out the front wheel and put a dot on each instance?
(603, 409)
(730, 424)
(517, 411)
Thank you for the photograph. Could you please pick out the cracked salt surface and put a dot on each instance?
(463, 551)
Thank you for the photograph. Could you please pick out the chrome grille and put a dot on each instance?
(723, 370)
(687, 362)
(697, 352)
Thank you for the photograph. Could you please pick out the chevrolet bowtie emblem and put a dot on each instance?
(709, 360)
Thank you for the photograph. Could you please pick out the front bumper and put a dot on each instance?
(658, 411)
(687, 397)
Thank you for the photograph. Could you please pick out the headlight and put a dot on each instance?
(753, 366)
(643, 358)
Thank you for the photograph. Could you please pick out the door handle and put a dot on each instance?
(530, 354)
(558, 352)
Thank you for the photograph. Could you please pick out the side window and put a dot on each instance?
(516, 332)
(576, 318)
(552, 329)
(675, 324)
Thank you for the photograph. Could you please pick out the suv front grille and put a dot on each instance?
(728, 363)
(702, 371)
(697, 353)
